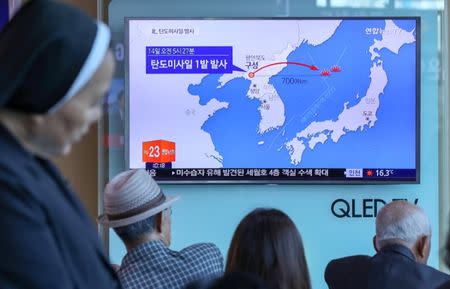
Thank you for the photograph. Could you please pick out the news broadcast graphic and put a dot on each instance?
(274, 99)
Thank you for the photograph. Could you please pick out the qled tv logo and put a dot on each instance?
(361, 208)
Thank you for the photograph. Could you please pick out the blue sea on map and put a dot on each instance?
(390, 143)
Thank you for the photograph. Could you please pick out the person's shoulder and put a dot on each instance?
(347, 272)
(347, 264)
(355, 260)
(444, 286)
(205, 250)
(435, 278)
(435, 275)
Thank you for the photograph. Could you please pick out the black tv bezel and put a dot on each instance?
(303, 182)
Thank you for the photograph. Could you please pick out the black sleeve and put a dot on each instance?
(29, 254)
(445, 286)
(328, 274)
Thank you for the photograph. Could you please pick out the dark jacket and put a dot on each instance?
(394, 267)
(46, 238)
(445, 286)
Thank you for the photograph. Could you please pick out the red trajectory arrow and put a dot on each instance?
(253, 73)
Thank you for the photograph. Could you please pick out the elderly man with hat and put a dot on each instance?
(140, 214)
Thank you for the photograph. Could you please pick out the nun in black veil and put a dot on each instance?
(55, 67)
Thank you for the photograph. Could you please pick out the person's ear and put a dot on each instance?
(375, 246)
(159, 222)
(423, 248)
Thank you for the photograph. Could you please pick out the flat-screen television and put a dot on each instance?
(274, 100)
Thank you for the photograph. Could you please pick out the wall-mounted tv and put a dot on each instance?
(274, 100)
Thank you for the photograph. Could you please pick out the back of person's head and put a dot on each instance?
(230, 281)
(136, 208)
(403, 223)
(267, 243)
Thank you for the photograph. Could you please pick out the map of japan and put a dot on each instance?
(293, 93)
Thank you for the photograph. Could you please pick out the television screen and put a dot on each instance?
(274, 99)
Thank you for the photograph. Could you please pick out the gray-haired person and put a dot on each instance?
(402, 243)
(140, 214)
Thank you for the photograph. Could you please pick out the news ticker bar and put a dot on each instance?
(168, 173)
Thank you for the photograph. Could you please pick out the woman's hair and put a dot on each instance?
(230, 281)
(268, 244)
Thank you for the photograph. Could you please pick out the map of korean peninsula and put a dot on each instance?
(297, 93)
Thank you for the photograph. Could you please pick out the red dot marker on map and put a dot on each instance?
(251, 74)
(336, 69)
